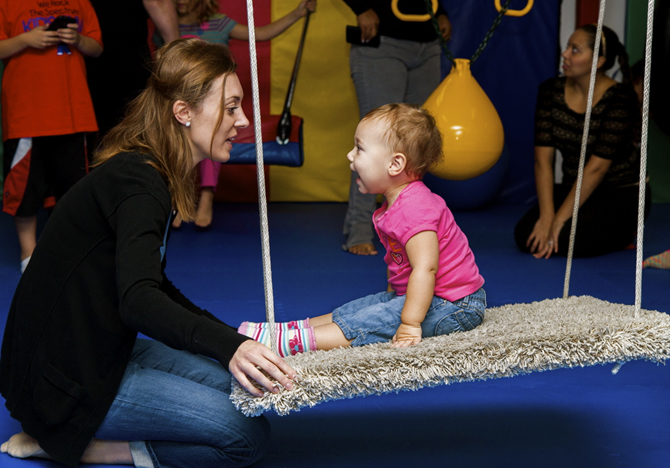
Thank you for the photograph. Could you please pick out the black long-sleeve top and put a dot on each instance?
(94, 281)
(391, 26)
(614, 131)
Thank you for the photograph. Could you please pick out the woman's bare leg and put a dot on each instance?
(105, 452)
(108, 452)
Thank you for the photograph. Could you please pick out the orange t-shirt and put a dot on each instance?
(44, 93)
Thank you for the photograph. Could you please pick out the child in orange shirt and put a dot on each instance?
(46, 106)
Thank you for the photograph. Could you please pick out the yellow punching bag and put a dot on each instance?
(471, 129)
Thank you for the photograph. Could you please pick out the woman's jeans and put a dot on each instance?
(174, 408)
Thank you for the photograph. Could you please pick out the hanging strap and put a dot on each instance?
(262, 202)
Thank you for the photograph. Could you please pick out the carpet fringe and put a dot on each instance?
(512, 340)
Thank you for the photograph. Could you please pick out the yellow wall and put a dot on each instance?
(324, 97)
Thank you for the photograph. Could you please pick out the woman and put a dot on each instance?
(607, 218)
(72, 370)
(201, 18)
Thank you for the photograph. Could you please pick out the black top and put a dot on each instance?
(95, 279)
(614, 131)
(391, 26)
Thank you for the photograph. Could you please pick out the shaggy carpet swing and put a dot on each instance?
(512, 340)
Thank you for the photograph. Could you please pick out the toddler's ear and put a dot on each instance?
(398, 164)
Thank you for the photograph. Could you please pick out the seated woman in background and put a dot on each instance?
(607, 218)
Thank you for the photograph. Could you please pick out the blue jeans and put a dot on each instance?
(376, 318)
(397, 71)
(174, 407)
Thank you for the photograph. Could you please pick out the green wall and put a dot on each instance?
(658, 148)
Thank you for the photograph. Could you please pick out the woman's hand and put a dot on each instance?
(406, 335)
(251, 360)
(549, 245)
(537, 241)
(445, 26)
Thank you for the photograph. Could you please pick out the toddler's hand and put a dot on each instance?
(40, 38)
(69, 35)
(406, 335)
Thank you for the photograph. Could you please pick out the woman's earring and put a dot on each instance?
(187, 124)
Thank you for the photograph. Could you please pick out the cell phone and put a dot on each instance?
(354, 37)
(60, 22)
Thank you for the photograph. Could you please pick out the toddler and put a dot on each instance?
(434, 284)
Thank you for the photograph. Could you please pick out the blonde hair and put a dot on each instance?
(184, 70)
(411, 131)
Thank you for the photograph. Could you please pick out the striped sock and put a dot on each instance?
(290, 342)
(661, 261)
(292, 325)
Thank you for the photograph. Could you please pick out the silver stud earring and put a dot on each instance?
(188, 124)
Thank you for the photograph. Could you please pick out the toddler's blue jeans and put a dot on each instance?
(376, 318)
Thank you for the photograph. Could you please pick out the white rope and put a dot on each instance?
(262, 201)
(643, 154)
(265, 238)
(643, 159)
(582, 156)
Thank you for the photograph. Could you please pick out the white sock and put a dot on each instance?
(24, 264)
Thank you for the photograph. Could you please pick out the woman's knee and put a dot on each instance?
(248, 444)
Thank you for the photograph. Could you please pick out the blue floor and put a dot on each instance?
(565, 418)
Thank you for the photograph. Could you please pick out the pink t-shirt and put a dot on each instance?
(415, 210)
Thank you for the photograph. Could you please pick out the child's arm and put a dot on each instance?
(37, 38)
(86, 45)
(423, 254)
(272, 30)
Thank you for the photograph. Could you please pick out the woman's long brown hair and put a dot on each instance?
(184, 70)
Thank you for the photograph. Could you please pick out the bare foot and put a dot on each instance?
(107, 452)
(21, 445)
(363, 249)
(176, 223)
(205, 208)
